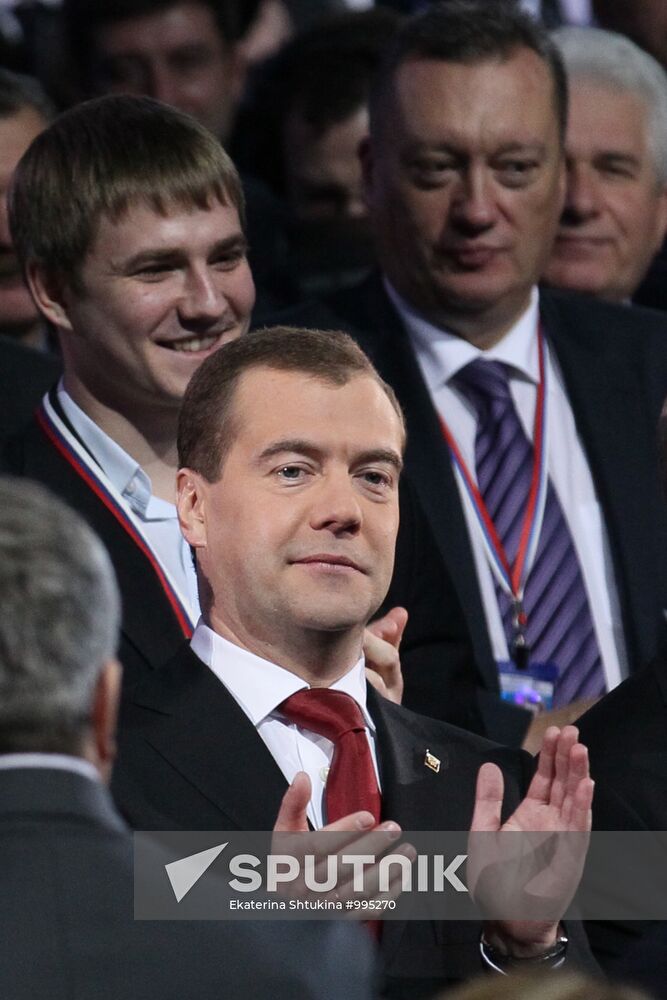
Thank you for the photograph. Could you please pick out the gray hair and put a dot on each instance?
(18, 92)
(59, 619)
(614, 62)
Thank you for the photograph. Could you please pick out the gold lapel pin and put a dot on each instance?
(432, 762)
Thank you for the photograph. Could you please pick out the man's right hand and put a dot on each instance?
(357, 835)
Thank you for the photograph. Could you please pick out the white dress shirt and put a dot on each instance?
(159, 519)
(441, 355)
(259, 687)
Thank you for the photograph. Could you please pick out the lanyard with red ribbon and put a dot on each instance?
(512, 579)
(76, 455)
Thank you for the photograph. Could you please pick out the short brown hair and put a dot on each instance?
(98, 159)
(467, 32)
(206, 427)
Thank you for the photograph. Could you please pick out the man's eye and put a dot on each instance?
(376, 478)
(153, 272)
(291, 473)
(228, 261)
(616, 169)
(517, 172)
(431, 172)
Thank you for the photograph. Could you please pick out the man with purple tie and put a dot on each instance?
(530, 414)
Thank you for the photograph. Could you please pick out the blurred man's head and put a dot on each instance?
(464, 168)
(128, 219)
(290, 447)
(180, 52)
(59, 622)
(615, 214)
(24, 113)
(644, 21)
(312, 110)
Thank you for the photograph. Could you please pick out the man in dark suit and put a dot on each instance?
(464, 176)
(291, 447)
(66, 859)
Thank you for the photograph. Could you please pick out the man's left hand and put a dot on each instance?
(540, 871)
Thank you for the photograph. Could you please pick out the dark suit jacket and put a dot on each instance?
(626, 733)
(25, 375)
(626, 736)
(68, 930)
(614, 363)
(150, 631)
(190, 758)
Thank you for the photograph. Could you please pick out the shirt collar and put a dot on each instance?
(260, 686)
(55, 761)
(124, 473)
(442, 354)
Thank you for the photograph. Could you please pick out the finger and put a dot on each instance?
(293, 813)
(389, 886)
(358, 822)
(383, 666)
(565, 766)
(540, 786)
(488, 799)
(582, 814)
(391, 626)
(578, 777)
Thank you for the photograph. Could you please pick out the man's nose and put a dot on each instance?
(162, 84)
(336, 507)
(202, 300)
(473, 204)
(581, 195)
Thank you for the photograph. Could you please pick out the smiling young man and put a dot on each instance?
(128, 218)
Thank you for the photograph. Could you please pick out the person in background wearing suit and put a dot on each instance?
(66, 862)
(530, 414)
(615, 214)
(291, 449)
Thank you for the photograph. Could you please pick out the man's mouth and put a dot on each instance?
(328, 560)
(194, 344)
(580, 244)
(472, 256)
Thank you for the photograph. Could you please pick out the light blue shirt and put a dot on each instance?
(159, 519)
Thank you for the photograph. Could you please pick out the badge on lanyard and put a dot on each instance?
(524, 682)
(531, 687)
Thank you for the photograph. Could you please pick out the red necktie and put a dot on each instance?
(351, 784)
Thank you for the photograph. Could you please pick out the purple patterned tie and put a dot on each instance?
(560, 628)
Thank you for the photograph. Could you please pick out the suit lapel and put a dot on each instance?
(198, 728)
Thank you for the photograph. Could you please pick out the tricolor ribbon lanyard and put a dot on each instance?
(512, 579)
(72, 449)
